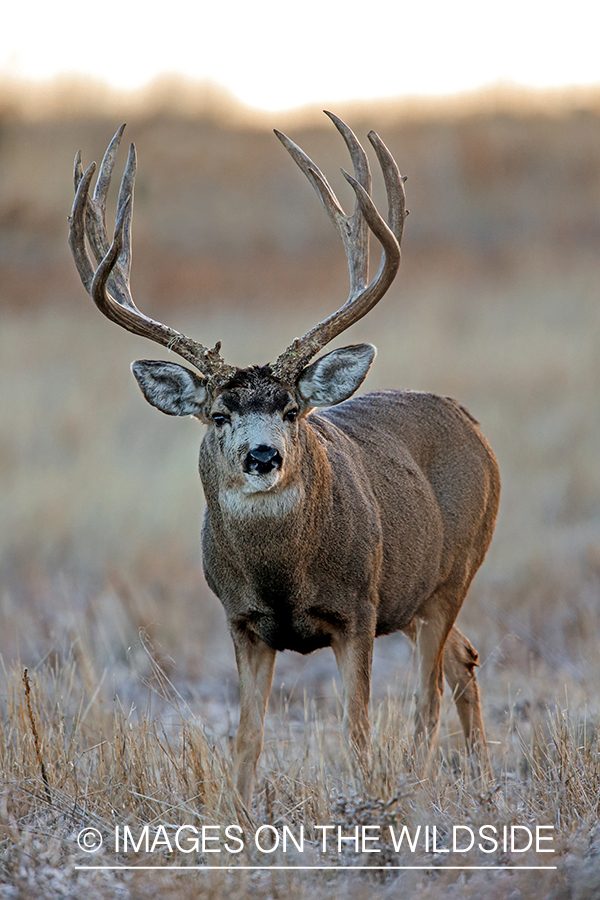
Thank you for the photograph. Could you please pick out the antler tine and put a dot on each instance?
(77, 222)
(125, 206)
(108, 285)
(354, 231)
(95, 219)
(394, 185)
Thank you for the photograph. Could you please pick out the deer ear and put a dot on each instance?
(335, 376)
(172, 388)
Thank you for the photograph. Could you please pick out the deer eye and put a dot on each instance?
(291, 415)
(219, 419)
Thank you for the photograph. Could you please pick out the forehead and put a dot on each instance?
(254, 390)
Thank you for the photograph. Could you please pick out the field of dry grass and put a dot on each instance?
(130, 699)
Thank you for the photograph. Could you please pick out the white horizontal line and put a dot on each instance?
(365, 868)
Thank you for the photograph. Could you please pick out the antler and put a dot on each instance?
(354, 232)
(108, 284)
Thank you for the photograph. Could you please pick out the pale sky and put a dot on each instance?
(280, 55)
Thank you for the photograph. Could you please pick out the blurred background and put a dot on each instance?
(496, 122)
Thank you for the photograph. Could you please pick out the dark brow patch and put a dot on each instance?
(254, 390)
(231, 402)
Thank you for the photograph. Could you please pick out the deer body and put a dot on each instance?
(394, 499)
(323, 528)
(374, 515)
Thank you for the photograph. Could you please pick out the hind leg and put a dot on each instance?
(460, 659)
(443, 650)
(429, 633)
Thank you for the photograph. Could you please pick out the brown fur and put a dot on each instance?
(400, 493)
(320, 529)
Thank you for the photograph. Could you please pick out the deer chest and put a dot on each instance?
(285, 614)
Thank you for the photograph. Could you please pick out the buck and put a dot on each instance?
(321, 528)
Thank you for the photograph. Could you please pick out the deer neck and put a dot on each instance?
(282, 515)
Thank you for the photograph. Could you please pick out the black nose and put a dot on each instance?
(262, 459)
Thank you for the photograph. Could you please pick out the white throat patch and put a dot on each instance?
(277, 502)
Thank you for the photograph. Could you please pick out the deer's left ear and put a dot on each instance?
(335, 376)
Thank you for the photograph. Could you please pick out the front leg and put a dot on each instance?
(255, 662)
(354, 657)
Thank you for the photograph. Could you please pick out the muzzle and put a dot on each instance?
(261, 460)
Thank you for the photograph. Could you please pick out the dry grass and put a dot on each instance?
(132, 683)
(133, 686)
(106, 765)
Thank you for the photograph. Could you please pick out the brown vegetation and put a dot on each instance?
(102, 596)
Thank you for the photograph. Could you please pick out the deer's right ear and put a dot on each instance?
(172, 388)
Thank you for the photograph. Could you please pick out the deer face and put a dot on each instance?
(254, 421)
(253, 430)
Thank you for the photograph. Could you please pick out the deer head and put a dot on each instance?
(254, 412)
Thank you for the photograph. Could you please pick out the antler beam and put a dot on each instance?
(354, 232)
(108, 281)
